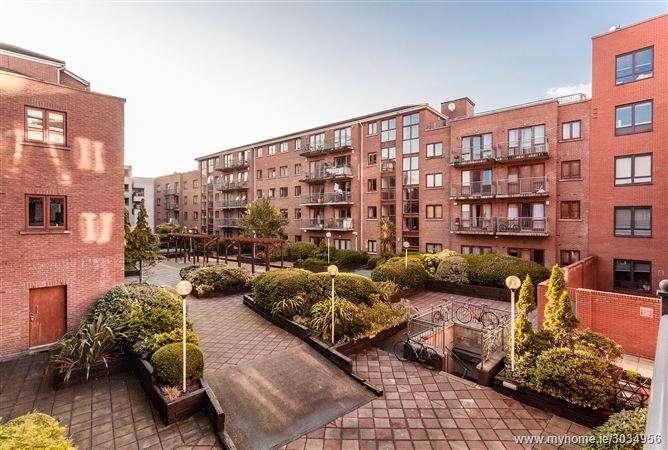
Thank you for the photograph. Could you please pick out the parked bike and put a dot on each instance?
(488, 319)
(415, 349)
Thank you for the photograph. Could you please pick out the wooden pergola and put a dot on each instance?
(193, 247)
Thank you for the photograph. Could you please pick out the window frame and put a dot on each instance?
(570, 253)
(434, 208)
(46, 212)
(433, 146)
(570, 163)
(433, 179)
(633, 66)
(371, 209)
(570, 204)
(632, 275)
(370, 156)
(632, 227)
(374, 182)
(633, 165)
(45, 126)
(634, 128)
(570, 124)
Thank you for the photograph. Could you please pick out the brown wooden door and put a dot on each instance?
(47, 315)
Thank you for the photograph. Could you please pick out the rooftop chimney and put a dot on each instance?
(458, 109)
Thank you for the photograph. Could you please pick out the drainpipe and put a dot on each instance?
(361, 177)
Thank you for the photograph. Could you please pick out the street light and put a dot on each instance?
(512, 282)
(406, 245)
(183, 288)
(357, 247)
(328, 235)
(333, 272)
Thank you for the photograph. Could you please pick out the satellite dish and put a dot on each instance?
(614, 27)
(451, 107)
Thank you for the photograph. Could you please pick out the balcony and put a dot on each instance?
(171, 191)
(523, 150)
(340, 224)
(326, 198)
(327, 172)
(522, 187)
(226, 166)
(230, 204)
(388, 194)
(231, 185)
(171, 207)
(473, 225)
(465, 157)
(476, 189)
(327, 147)
(388, 166)
(226, 223)
(521, 226)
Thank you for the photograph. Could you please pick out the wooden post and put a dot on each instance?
(253, 257)
(267, 254)
(239, 253)
(226, 252)
(281, 255)
(217, 247)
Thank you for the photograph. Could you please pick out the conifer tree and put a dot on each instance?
(562, 322)
(523, 328)
(556, 286)
(142, 246)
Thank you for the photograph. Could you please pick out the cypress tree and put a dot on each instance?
(142, 245)
(523, 328)
(556, 286)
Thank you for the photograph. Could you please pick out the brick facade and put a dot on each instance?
(86, 255)
(176, 199)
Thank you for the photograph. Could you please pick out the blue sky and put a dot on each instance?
(201, 77)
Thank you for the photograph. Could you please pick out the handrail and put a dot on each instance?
(327, 145)
(657, 413)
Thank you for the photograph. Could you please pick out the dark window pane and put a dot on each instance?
(36, 211)
(57, 212)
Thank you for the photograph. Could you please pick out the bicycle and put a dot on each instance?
(488, 319)
(412, 348)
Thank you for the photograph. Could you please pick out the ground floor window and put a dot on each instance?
(46, 211)
(530, 254)
(475, 250)
(315, 240)
(372, 246)
(633, 275)
(568, 257)
(342, 244)
(434, 248)
(298, 238)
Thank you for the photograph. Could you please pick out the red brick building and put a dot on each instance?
(177, 199)
(61, 197)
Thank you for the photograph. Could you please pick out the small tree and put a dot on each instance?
(142, 246)
(129, 264)
(562, 322)
(523, 328)
(263, 220)
(388, 233)
(556, 286)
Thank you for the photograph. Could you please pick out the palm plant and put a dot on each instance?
(388, 233)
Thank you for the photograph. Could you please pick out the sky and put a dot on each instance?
(200, 77)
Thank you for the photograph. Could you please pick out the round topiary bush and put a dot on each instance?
(492, 269)
(219, 278)
(34, 430)
(168, 363)
(394, 270)
(270, 287)
(630, 422)
(354, 288)
(453, 270)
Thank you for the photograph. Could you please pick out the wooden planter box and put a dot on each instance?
(78, 375)
(469, 290)
(584, 416)
(219, 293)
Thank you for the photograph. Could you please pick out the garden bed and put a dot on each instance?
(350, 348)
(584, 416)
(470, 290)
(210, 294)
(78, 375)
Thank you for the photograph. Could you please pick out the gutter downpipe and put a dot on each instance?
(361, 178)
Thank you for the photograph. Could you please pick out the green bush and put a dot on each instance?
(599, 345)
(354, 288)
(315, 261)
(431, 261)
(272, 286)
(351, 258)
(300, 250)
(168, 363)
(183, 273)
(34, 430)
(163, 339)
(219, 278)
(289, 306)
(166, 228)
(394, 270)
(492, 269)
(575, 376)
(452, 270)
(629, 423)
(375, 261)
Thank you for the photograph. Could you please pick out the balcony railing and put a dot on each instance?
(388, 166)
(171, 207)
(324, 198)
(388, 194)
(340, 224)
(227, 204)
(226, 222)
(171, 191)
(508, 151)
(473, 225)
(328, 146)
(231, 185)
(232, 165)
(472, 155)
(474, 189)
(522, 225)
(327, 173)
(522, 187)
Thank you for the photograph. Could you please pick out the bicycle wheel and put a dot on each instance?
(430, 358)
(402, 350)
(489, 320)
(463, 314)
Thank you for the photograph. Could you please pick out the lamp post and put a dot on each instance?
(254, 249)
(333, 272)
(406, 245)
(328, 235)
(183, 288)
(357, 247)
(512, 282)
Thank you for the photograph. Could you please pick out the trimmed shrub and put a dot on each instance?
(272, 286)
(599, 345)
(351, 258)
(394, 270)
(562, 321)
(375, 261)
(300, 250)
(452, 270)
(289, 306)
(629, 423)
(354, 288)
(34, 430)
(315, 261)
(183, 273)
(526, 303)
(163, 339)
(431, 261)
(168, 363)
(492, 269)
(219, 278)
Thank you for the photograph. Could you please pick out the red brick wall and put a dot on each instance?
(581, 274)
(89, 171)
(185, 189)
(35, 69)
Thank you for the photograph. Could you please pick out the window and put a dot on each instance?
(45, 126)
(411, 170)
(388, 153)
(434, 248)
(373, 158)
(633, 275)
(411, 224)
(570, 130)
(434, 211)
(258, 152)
(388, 130)
(434, 180)
(284, 147)
(283, 192)
(371, 246)
(372, 128)
(46, 212)
(529, 254)
(271, 172)
(194, 215)
(283, 171)
(570, 170)
(194, 199)
(475, 250)
(272, 150)
(636, 169)
(298, 169)
(317, 141)
(298, 145)
(258, 174)
(570, 210)
(477, 147)
(195, 184)
(298, 191)
(298, 238)
(371, 185)
(343, 244)
(343, 138)
(185, 215)
(568, 257)
(411, 134)
(298, 213)
(635, 221)
(258, 193)
(435, 150)
(185, 200)
(634, 118)
(272, 192)
(634, 66)
(372, 212)
(284, 213)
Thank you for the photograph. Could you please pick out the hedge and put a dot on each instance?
(34, 430)
(394, 270)
(492, 269)
(168, 363)
(300, 250)
(628, 423)
(354, 288)
(272, 286)
(219, 278)
(453, 270)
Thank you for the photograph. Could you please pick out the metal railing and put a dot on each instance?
(237, 203)
(327, 146)
(342, 224)
(522, 150)
(388, 166)
(327, 172)
(473, 225)
(226, 222)
(326, 198)
(521, 225)
(231, 185)
(231, 165)
(522, 187)
(388, 194)
(472, 155)
(170, 191)
(473, 189)
(171, 207)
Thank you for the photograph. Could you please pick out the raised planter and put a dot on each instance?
(350, 348)
(219, 293)
(584, 416)
(78, 375)
(469, 290)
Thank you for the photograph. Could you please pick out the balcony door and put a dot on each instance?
(538, 216)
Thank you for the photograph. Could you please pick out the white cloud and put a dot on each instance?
(560, 91)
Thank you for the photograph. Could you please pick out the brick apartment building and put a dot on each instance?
(177, 199)
(516, 180)
(61, 197)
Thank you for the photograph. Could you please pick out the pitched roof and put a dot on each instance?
(26, 52)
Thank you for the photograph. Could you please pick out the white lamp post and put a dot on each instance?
(328, 235)
(333, 272)
(357, 247)
(183, 288)
(406, 245)
(512, 282)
